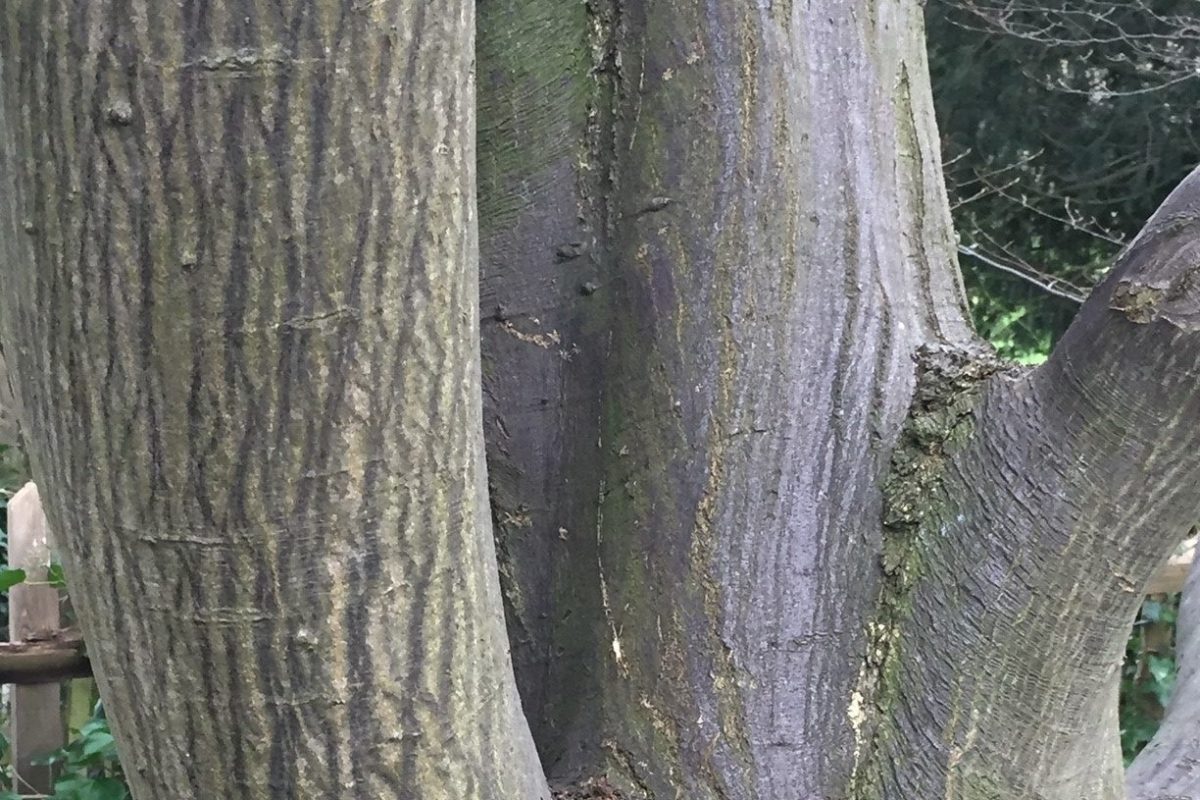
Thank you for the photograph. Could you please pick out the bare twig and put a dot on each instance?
(1048, 283)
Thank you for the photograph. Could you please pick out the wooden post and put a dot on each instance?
(81, 699)
(1171, 576)
(36, 717)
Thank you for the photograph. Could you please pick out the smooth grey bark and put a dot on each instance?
(757, 278)
(240, 250)
(730, 273)
(541, 83)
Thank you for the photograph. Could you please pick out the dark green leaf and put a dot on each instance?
(98, 743)
(10, 578)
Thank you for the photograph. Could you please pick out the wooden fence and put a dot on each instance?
(41, 653)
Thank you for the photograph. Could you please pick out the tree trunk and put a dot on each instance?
(241, 249)
(736, 261)
(723, 578)
(770, 522)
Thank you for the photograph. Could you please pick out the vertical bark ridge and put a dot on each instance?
(241, 244)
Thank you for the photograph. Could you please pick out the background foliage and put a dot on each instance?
(1064, 124)
(88, 766)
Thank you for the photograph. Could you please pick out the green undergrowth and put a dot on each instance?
(88, 767)
(1148, 673)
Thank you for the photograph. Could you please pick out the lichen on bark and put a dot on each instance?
(945, 398)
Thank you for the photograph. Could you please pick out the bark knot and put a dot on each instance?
(1175, 300)
(1158, 275)
(948, 380)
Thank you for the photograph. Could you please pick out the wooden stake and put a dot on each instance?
(35, 720)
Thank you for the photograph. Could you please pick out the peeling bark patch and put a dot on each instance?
(1156, 278)
(1138, 303)
(1143, 303)
(545, 341)
(948, 379)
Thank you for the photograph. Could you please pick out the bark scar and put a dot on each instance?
(1175, 301)
(244, 60)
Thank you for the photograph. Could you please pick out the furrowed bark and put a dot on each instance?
(1027, 514)
(1169, 766)
(241, 303)
(771, 245)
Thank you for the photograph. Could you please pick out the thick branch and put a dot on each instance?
(1053, 499)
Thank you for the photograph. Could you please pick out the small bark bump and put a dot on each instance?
(569, 251)
(119, 113)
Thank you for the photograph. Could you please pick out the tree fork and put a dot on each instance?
(1057, 495)
(744, 248)
(243, 314)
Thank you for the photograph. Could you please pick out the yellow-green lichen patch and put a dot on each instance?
(949, 381)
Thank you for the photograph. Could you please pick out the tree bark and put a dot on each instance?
(1027, 513)
(240, 245)
(731, 272)
(770, 522)
(778, 610)
(543, 340)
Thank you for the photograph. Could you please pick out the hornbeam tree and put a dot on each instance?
(765, 519)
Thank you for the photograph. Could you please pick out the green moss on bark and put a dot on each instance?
(949, 384)
(533, 96)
